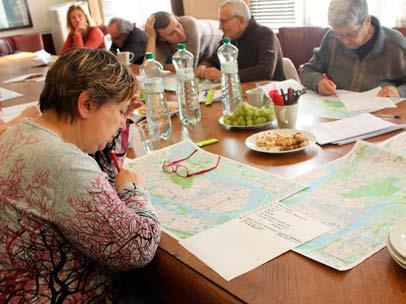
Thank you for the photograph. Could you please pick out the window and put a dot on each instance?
(274, 13)
(278, 13)
(136, 11)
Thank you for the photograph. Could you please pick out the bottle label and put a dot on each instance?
(229, 67)
(153, 85)
(185, 74)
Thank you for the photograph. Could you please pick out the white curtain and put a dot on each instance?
(389, 12)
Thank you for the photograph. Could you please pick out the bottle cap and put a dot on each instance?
(226, 40)
(181, 46)
(149, 55)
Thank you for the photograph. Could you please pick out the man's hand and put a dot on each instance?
(326, 87)
(389, 91)
(149, 27)
(134, 104)
(212, 74)
(199, 71)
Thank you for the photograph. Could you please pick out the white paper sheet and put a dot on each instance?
(349, 128)
(240, 245)
(42, 58)
(27, 77)
(8, 113)
(7, 94)
(367, 101)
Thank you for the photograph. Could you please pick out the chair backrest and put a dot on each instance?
(28, 42)
(298, 43)
(7, 46)
(401, 29)
(290, 70)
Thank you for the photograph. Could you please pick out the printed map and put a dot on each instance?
(187, 206)
(361, 194)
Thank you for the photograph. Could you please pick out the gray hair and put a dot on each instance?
(347, 12)
(124, 26)
(240, 8)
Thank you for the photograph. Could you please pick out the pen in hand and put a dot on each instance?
(115, 160)
(332, 85)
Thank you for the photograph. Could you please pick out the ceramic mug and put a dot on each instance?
(125, 57)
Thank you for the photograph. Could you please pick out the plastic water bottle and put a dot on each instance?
(230, 80)
(189, 108)
(158, 118)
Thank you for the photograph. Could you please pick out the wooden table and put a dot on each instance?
(179, 277)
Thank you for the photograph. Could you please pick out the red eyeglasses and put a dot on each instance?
(183, 171)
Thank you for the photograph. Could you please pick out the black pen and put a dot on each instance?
(394, 116)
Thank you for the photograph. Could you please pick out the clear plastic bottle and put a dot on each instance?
(158, 118)
(189, 108)
(230, 80)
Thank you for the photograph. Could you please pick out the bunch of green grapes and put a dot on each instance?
(248, 115)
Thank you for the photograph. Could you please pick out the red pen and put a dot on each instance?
(115, 160)
(325, 76)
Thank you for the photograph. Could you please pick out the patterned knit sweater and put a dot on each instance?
(63, 228)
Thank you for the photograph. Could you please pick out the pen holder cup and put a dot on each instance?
(286, 116)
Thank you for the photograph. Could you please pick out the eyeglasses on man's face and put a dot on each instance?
(351, 35)
(223, 21)
(182, 170)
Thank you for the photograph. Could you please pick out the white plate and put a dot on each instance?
(250, 141)
(397, 237)
(269, 123)
(172, 105)
(395, 256)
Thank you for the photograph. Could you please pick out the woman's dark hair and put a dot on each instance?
(94, 71)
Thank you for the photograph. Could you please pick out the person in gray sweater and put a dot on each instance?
(165, 31)
(358, 54)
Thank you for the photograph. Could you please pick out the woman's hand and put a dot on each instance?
(125, 177)
(82, 27)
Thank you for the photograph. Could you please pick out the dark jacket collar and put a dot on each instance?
(252, 25)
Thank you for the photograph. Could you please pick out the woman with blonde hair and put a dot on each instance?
(81, 33)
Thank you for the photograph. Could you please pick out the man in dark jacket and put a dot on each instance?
(260, 54)
(127, 37)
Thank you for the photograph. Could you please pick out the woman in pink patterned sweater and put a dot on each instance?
(63, 227)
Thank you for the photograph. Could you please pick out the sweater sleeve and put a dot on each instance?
(68, 44)
(95, 39)
(313, 70)
(119, 230)
(136, 43)
(268, 47)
